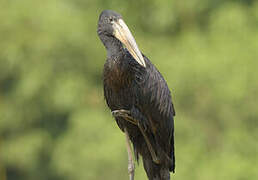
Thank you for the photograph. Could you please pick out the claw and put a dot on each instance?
(131, 116)
(124, 114)
(120, 112)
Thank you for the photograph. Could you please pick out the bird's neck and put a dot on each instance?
(113, 46)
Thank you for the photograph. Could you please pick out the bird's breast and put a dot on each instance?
(117, 75)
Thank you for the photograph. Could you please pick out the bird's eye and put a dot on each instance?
(111, 19)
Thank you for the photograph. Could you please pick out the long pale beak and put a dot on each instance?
(122, 33)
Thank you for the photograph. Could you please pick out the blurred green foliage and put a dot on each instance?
(54, 123)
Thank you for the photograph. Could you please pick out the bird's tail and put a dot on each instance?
(155, 171)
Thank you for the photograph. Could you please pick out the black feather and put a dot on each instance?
(144, 92)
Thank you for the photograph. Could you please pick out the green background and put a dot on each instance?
(54, 123)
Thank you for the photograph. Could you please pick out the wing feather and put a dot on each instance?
(156, 104)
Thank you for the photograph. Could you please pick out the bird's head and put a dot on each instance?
(112, 25)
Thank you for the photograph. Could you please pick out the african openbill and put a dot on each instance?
(139, 99)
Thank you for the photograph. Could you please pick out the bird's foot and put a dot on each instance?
(135, 117)
(120, 113)
(124, 114)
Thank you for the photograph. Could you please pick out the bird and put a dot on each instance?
(139, 99)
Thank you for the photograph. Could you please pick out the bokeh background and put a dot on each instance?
(54, 123)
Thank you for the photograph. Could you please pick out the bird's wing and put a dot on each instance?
(155, 104)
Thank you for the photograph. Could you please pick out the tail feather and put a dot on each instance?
(155, 171)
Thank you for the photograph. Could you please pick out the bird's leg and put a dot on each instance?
(124, 114)
(130, 156)
(135, 117)
(151, 149)
(141, 121)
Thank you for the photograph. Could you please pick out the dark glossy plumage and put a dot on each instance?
(144, 92)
